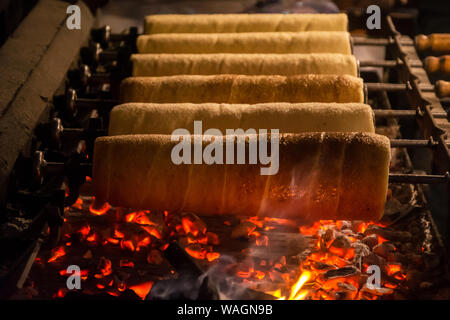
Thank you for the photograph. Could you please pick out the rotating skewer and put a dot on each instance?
(42, 167)
(104, 36)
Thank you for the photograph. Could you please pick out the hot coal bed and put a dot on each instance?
(51, 230)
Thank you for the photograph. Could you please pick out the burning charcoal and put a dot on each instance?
(196, 251)
(341, 241)
(328, 235)
(192, 224)
(346, 291)
(126, 263)
(361, 251)
(213, 238)
(298, 244)
(128, 245)
(104, 268)
(376, 291)
(302, 256)
(371, 240)
(403, 236)
(341, 247)
(373, 259)
(384, 249)
(341, 272)
(87, 255)
(397, 257)
(346, 286)
(276, 276)
(321, 265)
(243, 230)
(345, 224)
(349, 233)
(155, 257)
(356, 224)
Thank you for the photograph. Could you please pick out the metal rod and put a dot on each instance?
(393, 177)
(364, 41)
(418, 178)
(388, 63)
(104, 34)
(388, 113)
(406, 143)
(378, 86)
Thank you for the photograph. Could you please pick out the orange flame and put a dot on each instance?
(78, 204)
(211, 256)
(152, 231)
(99, 211)
(142, 289)
(197, 253)
(57, 253)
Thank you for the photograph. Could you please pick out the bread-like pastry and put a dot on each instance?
(252, 42)
(225, 23)
(157, 65)
(154, 118)
(243, 89)
(320, 176)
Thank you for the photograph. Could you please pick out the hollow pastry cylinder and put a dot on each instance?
(318, 176)
(157, 65)
(251, 42)
(225, 23)
(243, 89)
(157, 118)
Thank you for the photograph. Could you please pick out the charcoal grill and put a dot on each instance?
(50, 176)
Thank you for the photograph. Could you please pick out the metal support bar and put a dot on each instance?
(392, 113)
(379, 86)
(418, 178)
(364, 41)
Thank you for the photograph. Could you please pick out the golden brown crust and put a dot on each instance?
(155, 118)
(243, 89)
(157, 65)
(219, 23)
(321, 176)
(253, 42)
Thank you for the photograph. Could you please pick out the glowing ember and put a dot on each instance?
(60, 294)
(196, 252)
(127, 245)
(78, 204)
(325, 260)
(118, 234)
(83, 274)
(143, 243)
(211, 256)
(126, 263)
(104, 267)
(155, 257)
(142, 289)
(99, 211)
(152, 231)
(57, 253)
(85, 230)
(393, 269)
